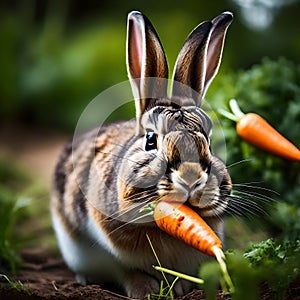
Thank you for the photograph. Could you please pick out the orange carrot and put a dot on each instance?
(257, 131)
(181, 222)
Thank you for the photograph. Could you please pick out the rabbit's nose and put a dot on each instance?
(189, 176)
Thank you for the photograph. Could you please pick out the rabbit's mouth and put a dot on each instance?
(206, 204)
(205, 190)
(212, 200)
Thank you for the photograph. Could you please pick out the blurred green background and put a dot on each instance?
(56, 56)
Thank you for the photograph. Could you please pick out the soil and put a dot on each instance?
(44, 276)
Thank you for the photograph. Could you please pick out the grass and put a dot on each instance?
(24, 217)
(166, 289)
(10, 209)
(17, 285)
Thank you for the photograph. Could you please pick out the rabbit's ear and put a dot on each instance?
(146, 63)
(199, 58)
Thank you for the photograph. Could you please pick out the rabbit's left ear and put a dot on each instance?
(146, 64)
(200, 57)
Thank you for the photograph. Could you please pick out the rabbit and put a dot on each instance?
(106, 176)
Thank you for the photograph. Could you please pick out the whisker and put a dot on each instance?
(130, 222)
(144, 204)
(238, 162)
(225, 202)
(263, 198)
(250, 183)
(217, 214)
(246, 205)
(239, 210)
(248, 199)
(233, 212)
(133, 207)
(257, 187)
(141, 204)
(136, 196)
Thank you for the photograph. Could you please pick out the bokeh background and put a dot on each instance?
(56, 56)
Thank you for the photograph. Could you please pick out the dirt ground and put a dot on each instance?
(46, 277)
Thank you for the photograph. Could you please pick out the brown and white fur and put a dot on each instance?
(106, 176)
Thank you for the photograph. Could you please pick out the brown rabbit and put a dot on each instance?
(106, 176)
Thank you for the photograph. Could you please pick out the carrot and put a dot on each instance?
(181, 222)
(257, 131)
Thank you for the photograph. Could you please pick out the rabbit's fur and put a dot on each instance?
(107, 175)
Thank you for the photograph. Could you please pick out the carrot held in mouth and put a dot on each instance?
(257, 131)
(181, 222)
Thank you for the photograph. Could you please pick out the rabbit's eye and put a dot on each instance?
(151, 141)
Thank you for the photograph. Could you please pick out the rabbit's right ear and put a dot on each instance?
(199, 58)
(146, 64)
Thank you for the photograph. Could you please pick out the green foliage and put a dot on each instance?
(12, 209)
(45, 71)
(271, 252)
(17, 285)
(286, 218)
(246, 279)
(24, 214)
(56, 56)
(269, 267)
(272, 90)
(210, 272)
(12, 175)
(277, 263)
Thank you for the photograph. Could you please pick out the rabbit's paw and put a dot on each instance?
(139, 284)
(82, 279)
(182, 287)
